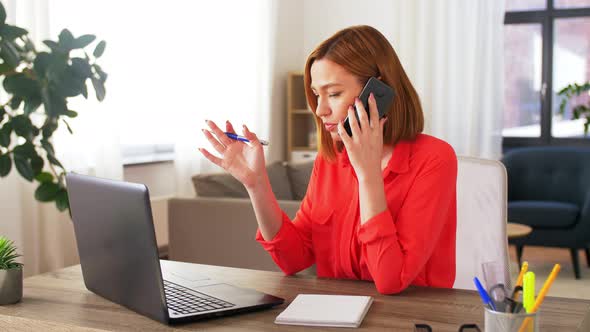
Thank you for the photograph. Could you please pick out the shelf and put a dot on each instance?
(300, 121)
(302, 111)
(303, 148)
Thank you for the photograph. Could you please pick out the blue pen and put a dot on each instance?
(483, 294)
(243, 139)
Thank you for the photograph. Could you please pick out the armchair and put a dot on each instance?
(549, 190)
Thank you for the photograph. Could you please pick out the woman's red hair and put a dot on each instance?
(365, 52)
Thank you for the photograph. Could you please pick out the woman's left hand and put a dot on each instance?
(365, 147)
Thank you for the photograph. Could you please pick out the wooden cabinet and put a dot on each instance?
(301, 127)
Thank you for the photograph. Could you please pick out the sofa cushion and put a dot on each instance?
(279, 181)
(543, 214)
(225, 185)
(218, 185)
(299, 174)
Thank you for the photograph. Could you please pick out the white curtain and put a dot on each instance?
(451, 49)
(171, 66)
(231, 78)
(43, 235)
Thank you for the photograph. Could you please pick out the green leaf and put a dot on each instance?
(29, 46)
(22, 126)
(5, 164)
(99, 50)
(54, 103)
(62, 201)
(46, 98)
(83, 41)
(69, 83)
(9, 53)
(5, 132)
(562, 106)
(44, 177)
(24, 167)
(68, 126)
(84, 90)
(15, 102)
(5, 68)
(54, 160)
(37, 164)
(46, 192)
(71, 114)
(53, 46)
(31, 105)
(48, 147)
(576, 113)
(21, 85)
(48, 129)
(81, 68)
(563, 91)
(26, 150)
(8, 252)
(41, 64)
(2, 113)
(2, 15)
(66, 39)
(56, 67)
(98, 88)
(101, 74)
(12, 32)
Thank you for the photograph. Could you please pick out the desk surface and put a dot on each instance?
(58, 301)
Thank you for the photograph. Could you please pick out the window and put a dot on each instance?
(546, 47)
(174, 64)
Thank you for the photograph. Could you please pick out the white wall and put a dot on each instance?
(301, 25)
(288, 56)
(158, 177)
(323, 18)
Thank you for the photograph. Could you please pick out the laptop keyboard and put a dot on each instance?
(182, 302)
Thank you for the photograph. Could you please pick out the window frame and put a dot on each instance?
(546, 17)
(136, 154)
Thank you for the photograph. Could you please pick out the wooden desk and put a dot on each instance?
(59, 301)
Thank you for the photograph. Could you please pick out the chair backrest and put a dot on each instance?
(548, 173)
(481, 220)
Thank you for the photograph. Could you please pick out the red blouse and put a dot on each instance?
(410, 243)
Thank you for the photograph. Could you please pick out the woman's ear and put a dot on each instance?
(379, 78)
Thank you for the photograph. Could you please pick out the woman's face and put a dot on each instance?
(335, 90)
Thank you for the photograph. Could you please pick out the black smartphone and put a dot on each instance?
(383, 96)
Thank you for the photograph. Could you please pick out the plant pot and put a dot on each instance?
(11, 285)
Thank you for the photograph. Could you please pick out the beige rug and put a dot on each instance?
(541, 261)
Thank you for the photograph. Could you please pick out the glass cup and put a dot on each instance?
(496, 321)
(496, 282)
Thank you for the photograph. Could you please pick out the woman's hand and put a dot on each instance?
(243, 161)
(365, 147)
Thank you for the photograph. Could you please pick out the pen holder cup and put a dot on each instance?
(496, 321)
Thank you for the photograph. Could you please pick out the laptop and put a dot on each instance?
(119, 258)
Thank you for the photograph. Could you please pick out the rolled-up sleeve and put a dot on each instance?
(291, 248)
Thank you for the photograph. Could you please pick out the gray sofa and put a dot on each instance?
(218, 226)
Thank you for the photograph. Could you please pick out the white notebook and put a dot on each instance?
(326, 310)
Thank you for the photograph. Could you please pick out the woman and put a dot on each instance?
(380, 204)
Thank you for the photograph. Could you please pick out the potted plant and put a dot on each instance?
(578, 111)
(37, 84)
(11, 273)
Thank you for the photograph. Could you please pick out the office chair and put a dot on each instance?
(481, 220)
